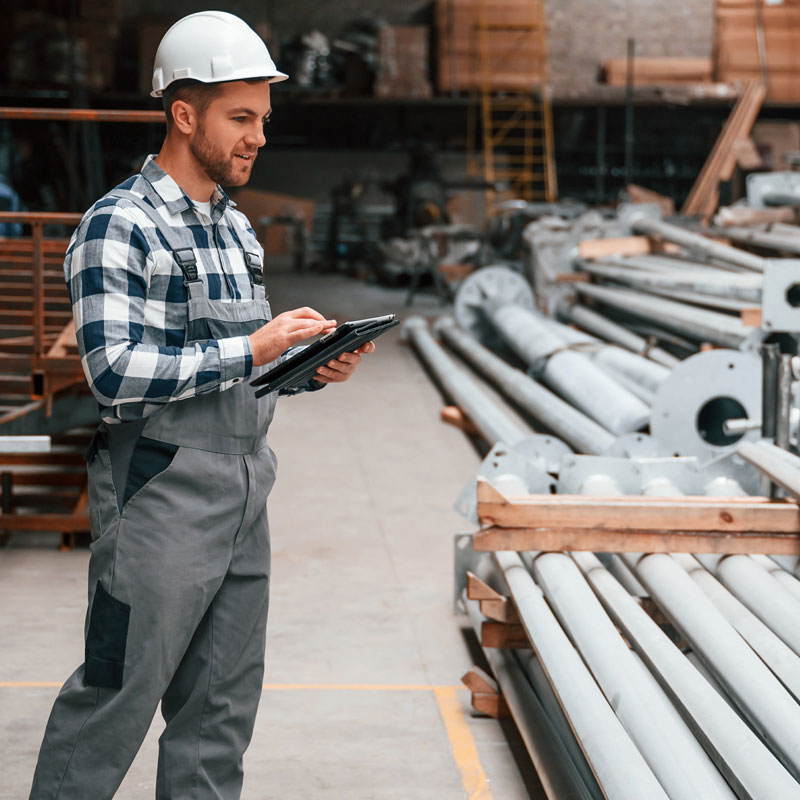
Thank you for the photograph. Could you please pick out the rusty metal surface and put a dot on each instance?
(80, 114)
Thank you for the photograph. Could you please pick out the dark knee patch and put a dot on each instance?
(105, 640)
(150, 458)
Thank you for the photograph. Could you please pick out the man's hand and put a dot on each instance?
(277, 336)
(341, 368)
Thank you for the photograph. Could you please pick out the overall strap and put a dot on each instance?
(251, 259)
(184, 256)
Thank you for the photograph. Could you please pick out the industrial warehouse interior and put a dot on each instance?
(400, 401)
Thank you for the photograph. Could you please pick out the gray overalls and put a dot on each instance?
(178, 581)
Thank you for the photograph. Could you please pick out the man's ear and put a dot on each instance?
(184, 116)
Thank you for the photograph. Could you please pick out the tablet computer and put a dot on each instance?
(301, 366)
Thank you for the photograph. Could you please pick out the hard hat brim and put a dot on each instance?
(275, 77)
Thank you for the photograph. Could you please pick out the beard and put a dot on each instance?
(222, 169)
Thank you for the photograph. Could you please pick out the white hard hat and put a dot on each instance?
(211, 47)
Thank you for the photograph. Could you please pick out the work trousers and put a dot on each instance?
(178, 597)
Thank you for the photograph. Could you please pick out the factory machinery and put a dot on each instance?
(634, 575)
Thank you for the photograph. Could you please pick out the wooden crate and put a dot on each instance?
(736, 46)
(513, 64)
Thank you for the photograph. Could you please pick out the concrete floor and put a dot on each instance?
(361, 624)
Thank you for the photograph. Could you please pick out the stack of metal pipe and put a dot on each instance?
(701, 700)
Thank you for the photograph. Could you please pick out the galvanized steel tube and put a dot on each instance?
(570, 374)
(618, 765)
(772, 650)
(697, 243)
(761, 593)
(494, 425)
(611, 331)
(663, 738)
(739, 754)
(697, 323)
(774, 462)
(746, 678)
(556, 771)
(560, 417)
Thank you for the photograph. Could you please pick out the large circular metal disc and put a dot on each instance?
(489, 287)
(700, 394)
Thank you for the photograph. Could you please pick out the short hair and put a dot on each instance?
(198, 94)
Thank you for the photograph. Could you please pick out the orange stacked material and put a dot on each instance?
(755, 40)
(403, 62)
(513, 64)
(658, 71)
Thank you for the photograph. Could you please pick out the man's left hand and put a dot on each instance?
(340, 369)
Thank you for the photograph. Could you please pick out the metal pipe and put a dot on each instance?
(697, 323)
(761, 593)
(669, 747)
(560, 417)
(596, 323)
(619, 767)
(739, 754)
(757, 692)
(769, 239)
(785, 578)
(770, 359)
(696, 242)
(784, 413)
(494, 425)
(745, 287)
(570, 374)
(554, 767)
(772, 461)
(631, 366)
(769, 646)
(735, 427)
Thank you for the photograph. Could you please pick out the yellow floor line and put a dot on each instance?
(475, 782)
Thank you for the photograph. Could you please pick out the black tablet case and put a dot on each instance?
(302, 366)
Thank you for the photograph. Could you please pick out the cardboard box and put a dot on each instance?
(256, 204)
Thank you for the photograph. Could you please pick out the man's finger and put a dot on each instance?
(367, 348)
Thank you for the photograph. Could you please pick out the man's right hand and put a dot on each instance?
(277, 336)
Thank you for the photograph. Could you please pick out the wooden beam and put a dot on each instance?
(492, 705)
(493, 634)
(631, 541)
(480, 590)
(751, 316)
(65, 523)
(454, 416)
(502, 610)
(478, 680)
(621, 246)
(637, 513)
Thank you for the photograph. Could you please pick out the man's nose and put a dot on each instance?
(255, 136)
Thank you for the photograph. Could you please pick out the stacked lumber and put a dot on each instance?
(658, 71)
(754, 40)
(514, 64)
(730, 147)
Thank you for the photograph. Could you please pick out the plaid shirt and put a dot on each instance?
(130, 304)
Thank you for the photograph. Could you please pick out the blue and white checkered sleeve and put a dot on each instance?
(105, 270)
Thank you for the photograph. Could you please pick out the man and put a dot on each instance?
(172, 321)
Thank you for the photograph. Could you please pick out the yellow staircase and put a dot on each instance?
(516, 122)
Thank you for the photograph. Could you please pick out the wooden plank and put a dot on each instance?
(492, 705)
(629, 541)
(501, 610)
(478, 680)
(622, 246)
(479, 590)
(493, 634)
(60, 523)
(454, 416)
(641, 514)
(751, 316)
(66, 338)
